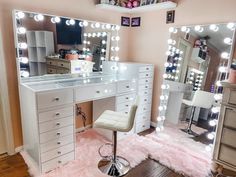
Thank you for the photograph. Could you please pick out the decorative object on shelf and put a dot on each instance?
(232, 74)
(125, 21)
(170, 16)
(128, 3)
(136, 21)
(104, 1)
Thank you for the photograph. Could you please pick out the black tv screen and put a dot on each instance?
(69, 34)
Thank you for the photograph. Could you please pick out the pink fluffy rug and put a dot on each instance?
(135, 148)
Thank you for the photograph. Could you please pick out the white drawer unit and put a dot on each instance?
(126, 86)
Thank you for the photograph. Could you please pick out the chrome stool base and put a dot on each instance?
(118, 168)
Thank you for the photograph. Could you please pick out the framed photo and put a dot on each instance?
(125, 21)
(170, 17)
(136, 21)
(143, 2)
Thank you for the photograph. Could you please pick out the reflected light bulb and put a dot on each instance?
(72, 21)
(24, 60)
(39, 17)
(108, 26)
(117, 58)
(104, 42)
(173, 30)
(24, 73)
(225, 55)
(218, 84)
(214, 27)
(20, 15)
(21, 30)
(22, 45)
(228, 41)
(218, 97)
(117, 49)
(117, 27)
(211, 136)
(231, 26)
(212, 123)
(117, 38)
(198, 28)
(223, 69)
(85, 23)
(97, 25)
(215, 110)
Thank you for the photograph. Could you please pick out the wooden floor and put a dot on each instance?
(14, 166)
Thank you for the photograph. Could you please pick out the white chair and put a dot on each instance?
(115, 121)
(200, 99)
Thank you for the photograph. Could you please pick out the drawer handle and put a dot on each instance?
(58, 123)
(59, 161)
(146, 74)
(147, 68)
(59, 152)
(127, 105)
(144, 117)
(145, 92)
(145, 99)
(57, 114)
(127, 98)
(144, 109)
(58, 142)
(143, 126)
(146, 80)
(62, 65)
(58, 133)
(126, 112)
(50, 63)
(146, 86)
(127, 86)
(56, 99)
(98, 91)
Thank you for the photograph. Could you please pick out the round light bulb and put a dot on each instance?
(20, 15)
(117, 49)
(113, 38)
(215, 110)
(168, 53)
(218, 83)
(22, 45)
(97, 25)
(117, 27)
(158, 129)
(208, 148)
(72, 22)
(117, 58)
(104, 34)
(21, 30)
(225, 55)
(85, 23)
(108, 26)
(24, 60)
(173, 30)
(104, 42)
(223, 69)
(24, 73)
(210, 136)
(198, 28)
(228, 41)
(212, 123)
(162, 97)
(57, 19)
(117, 38)
(218, 97)
(159, 119)
(214, 27)
(165, 76)
(231, 26)
(102, 58)
(161, 108)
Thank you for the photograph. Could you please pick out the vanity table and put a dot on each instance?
(48, 111)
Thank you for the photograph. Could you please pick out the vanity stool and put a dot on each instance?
(115, 121)
(200, 99)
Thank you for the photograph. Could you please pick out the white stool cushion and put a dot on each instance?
(114, 121)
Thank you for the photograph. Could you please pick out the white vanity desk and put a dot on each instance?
(48, 111)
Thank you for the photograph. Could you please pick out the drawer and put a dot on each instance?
(227, 155)
(56, 114)
(55, 98)
(144, 117)
(123, 107)
(55, 124)
(145, 99)
(145, 87)
(145, 92)
(63, 64)
(126, 86)
(63, 71)
(51, 62)
(146, 68)
(57, 152)
(125, 98)
(144, 108)
(145, 81)
(95, 92)
(51, 70)
(142, 126)
(52, 164)
(230, 117)
(228, 137)
(55, 134)
(145, 75)
(56, 143)
(229, 96)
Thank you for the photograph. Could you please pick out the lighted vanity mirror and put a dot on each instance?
(198, 58)
(49, 44)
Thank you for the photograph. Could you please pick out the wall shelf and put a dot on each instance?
(141, 9)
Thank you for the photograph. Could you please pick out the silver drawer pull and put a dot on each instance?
(147, 68)
(127, 86)
(146, 74)
(57, 114)
(58, 123)
(146, 86)
(144, 117)
(58, 133)
(59, 152)
(145, 99)
(146, 80)
(126, 112)
(144, 109)
(56, 99)
(145, 92)
(127, 105)
(143, 126)
(127, 98)
(59, 161)
(97, 91)
(58, 142)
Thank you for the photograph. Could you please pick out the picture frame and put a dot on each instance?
(135, 21)
(170, 16)
(143, 2)
(125, 21)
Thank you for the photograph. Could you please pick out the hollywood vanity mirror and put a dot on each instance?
(49, 44)
(198, 58)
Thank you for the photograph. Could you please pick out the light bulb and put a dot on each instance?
(161, 108)
(213, 123)
(176, 77)
(208, 148)
(88, 42)
(112, 58)
(231, 26)
(97, 25)
(211, 136)
(223, 69)
(117, 38)
(102, 58)
(55, 19)
(117, 58)
(39, 17)
(228, 41)
(168, 53)
(20, 15)
(108, 26)
(158, 129)
(117, 49)
(22, 45)
(81, 24)
(117, 27)
(218, 96)
(92, 25)
(72, 22)
(214, 27)
(215, 110)
(103, 50)
(166, 64)
(198, 28)
(113, 38)
(218, 83)
(85, 34)
(159, 119)
(21, 30)
(24, 73)
(185, 29)
(24, 60)
(89, 34)
(104, 42)
(85, 23)
(165, 86)
(162, 97)
(104, 34)
(225, 55)
(173, 30)
(100, 66)
(171, 41)
(94, 35)
(68, 22)
(165, 76)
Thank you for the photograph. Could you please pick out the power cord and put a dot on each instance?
(80, 113)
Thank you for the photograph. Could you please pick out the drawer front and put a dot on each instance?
(63, 64)
(145, 75)
(63, 71)
(145, 92)
(52, 135)
(56, 98)
(227, 155)
(228, 137)
(56, 143)
(91, 93)
(142, 126)
(146, 68)
(126, 86)
(55, 124)
(123, 107)
(51, 62)
(56, 114)
(145, 87)
(125, 98)
(57, 152)
(145, 81)
(230, 117)
(144, 117)
(145, 99)
(52, 164)
(51, 70)
(144, 108)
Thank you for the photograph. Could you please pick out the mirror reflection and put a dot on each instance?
(58, 45)
(197, 60)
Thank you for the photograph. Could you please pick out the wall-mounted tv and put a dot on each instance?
(69, 34)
